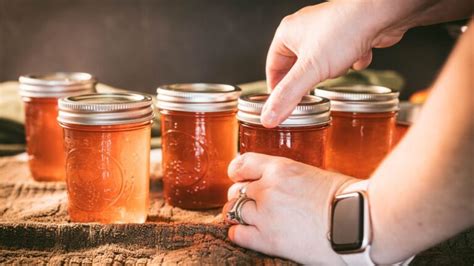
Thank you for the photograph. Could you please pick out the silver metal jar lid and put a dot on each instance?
(56, 85)
(360, 98)
(198, 97)
(312, 110)
(105, 109)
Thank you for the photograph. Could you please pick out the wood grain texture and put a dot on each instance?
(35, 229)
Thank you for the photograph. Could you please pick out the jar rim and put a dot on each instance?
(105, 109)
(312, 110)
(56, 84)
(198, 97)
(360, 98)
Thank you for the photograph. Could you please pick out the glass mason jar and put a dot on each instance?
(301, 137)
(107, 142)
(363, 127)
(44, 136)
(199, 139)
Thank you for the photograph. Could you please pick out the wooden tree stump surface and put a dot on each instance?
(35, 229)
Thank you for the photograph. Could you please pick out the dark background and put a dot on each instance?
(140, 44)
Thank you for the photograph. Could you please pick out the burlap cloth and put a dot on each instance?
(34, 229)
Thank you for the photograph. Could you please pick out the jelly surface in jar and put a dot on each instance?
(197, 149)
(108, 172)
(44, 139)
(358, 142)
(401, 129)
(303, 144)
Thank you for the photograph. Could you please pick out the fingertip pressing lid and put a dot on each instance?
(312, 110)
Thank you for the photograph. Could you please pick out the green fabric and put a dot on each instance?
(12, 133)
(386, 78)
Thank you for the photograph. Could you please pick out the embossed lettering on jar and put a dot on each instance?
(363, 127)
(199, 137)
(301, 137)
(107, 141)
(44, 136)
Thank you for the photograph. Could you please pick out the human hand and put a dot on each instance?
(290, 215)
(320, 42)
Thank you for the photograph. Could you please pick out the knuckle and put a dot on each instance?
(287, 20)
(237, 165)
(310, 64)
(278, 166)
(282, 168)
(285, 26)
(232, 192)
(293, 168)
(245, 156)
(273, 169)
(285, 164)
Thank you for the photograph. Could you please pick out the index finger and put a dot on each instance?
(280, 59)
(288, 93)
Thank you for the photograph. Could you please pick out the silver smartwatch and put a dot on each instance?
(351, 230)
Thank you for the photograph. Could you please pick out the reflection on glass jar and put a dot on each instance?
(107, 142)
(199, 139)
(302, 137)
(401, 130)
(44, 136)
(363, 127)
(407, 115)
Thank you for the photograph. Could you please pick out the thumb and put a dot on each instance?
(363, 62)
(302, 77)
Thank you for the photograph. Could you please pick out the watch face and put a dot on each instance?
(347, 225)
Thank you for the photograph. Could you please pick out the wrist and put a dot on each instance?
(331, 185)
(389, 244)
(373, 17)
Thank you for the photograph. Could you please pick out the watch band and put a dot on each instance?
(363, 258)
(357, 186)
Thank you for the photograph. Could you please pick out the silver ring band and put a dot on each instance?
(234, 215)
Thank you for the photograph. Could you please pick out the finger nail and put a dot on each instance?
(234, 165)
(269, 118)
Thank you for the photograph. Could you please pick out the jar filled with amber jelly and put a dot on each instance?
(107, 143)
(301, 137)
(44, 136)
(363, 127)
(199, 139)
